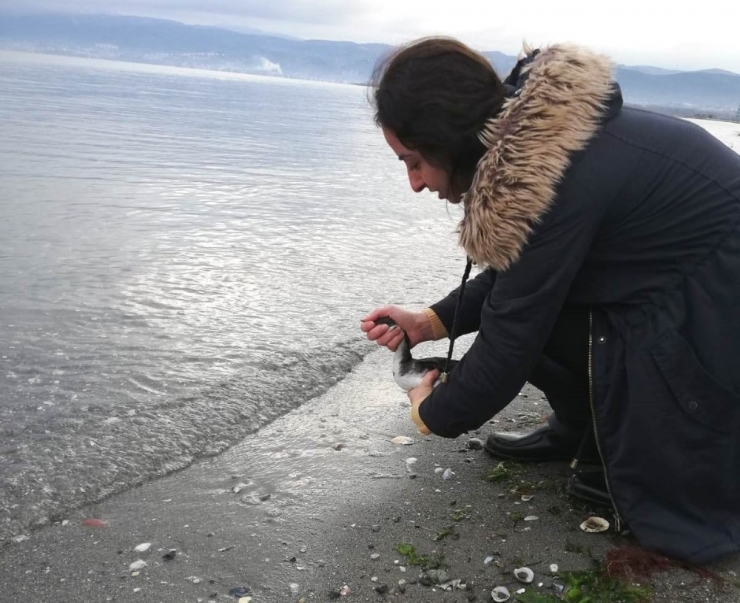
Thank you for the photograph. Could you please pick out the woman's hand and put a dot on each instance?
(416, 325)
(422, 391)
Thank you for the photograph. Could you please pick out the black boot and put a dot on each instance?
(588, 483)
(553, 441)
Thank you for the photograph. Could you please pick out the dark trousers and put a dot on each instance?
(562, 372)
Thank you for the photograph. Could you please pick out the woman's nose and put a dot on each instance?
(416, 182)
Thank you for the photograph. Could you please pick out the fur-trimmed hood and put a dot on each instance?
(554, 114)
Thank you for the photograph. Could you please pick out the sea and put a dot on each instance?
(186, 255)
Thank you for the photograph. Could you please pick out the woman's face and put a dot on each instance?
(421, 174)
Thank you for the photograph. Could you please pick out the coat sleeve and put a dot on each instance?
(476, 291)
(518, 314)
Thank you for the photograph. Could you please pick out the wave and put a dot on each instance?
(45, 478)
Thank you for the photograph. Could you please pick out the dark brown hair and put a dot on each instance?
(435, 95)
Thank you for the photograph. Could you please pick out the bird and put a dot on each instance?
(408, 371)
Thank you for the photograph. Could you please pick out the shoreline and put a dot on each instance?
(320, 499)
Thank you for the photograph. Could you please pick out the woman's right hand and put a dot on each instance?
(416, 325)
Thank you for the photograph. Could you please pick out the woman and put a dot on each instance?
(610, 242)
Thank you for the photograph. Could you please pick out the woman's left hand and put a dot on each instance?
(422, 391)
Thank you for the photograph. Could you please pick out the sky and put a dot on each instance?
(680, 35)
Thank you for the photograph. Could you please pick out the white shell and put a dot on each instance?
(554, 568)
(595, 524)
(143, 547)
(137, 565)
(524, 574)
(500, 594)
(527, 497)
(403, 440)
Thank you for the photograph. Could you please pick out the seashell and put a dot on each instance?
(554, 568)
(143, 547)
(524, 574)
(403, 440)
(448, 473)
(137, 565)
(500, 594)
(531, 518)
(595, 524)
(527, 497)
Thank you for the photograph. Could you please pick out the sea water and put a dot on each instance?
(184, 256)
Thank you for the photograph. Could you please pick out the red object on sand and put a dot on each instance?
(94, 523)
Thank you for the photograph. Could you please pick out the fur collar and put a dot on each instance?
(554, 114)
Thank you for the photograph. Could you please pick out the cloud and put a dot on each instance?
(684, 36)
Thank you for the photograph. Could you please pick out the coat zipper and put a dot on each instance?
(617, 518)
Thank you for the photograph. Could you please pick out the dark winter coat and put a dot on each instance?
(634, 216)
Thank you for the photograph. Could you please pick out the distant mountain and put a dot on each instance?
(650, 70)
(708, 92)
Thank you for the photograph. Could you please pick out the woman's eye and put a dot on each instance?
(415, 166)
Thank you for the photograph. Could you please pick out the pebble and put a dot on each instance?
(193, 579)
(170, 555)
(137, 565)
(294, 588)
(339, 446)
(21, 538)
(345, 591)
(375, 556)
(239, 487)
(381, 589)
(438, 576)
(143, 547)
(240, 591)
(475, 444)
(448, 473)
(554, 568)
(531, 518)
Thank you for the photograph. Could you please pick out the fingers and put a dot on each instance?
(396, 340)
(377, 313)
(429, 379)
(383, 335)
(422, 391)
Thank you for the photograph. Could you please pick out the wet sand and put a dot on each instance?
(319, 500)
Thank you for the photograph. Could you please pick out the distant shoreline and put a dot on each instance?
(194, 70)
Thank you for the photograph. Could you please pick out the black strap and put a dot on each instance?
(456, 320)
